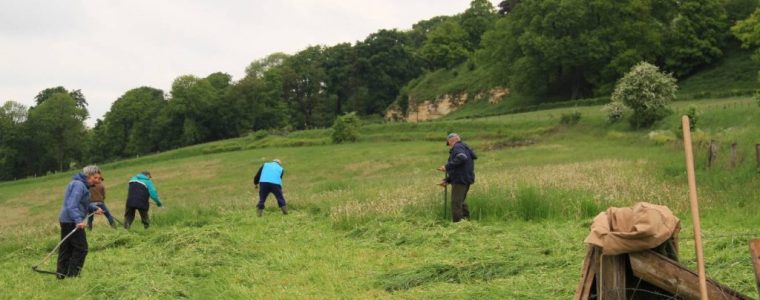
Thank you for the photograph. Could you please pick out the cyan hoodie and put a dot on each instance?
(76, 201)
(145, 180)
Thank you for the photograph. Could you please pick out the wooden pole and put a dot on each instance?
(694, 207)
(757, 149)
(754, 251)
(733, 155)
(712, 153)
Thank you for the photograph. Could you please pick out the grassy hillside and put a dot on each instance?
(366, 217)
(735, 75)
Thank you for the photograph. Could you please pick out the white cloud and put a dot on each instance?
(105, 48)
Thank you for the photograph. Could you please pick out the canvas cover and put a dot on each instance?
(631, 229)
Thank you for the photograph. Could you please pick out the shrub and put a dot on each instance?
(259, 134)
(346, 128)
(615, 111)
(648, 92)
(693, 117)
(570, 119)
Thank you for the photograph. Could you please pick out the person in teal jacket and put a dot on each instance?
(140, 189)
(269, 177)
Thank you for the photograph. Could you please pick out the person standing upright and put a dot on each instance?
(460, 171)
(140, 189)
(76, 206)
(97, 198)
(269, 177)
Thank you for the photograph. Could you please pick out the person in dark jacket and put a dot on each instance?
(269, 177)
(140, 189)
(460, 173)
(98, 198)
(76, 206)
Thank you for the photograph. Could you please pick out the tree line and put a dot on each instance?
(554, 49)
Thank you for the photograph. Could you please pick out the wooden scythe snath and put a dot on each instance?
(694, 207)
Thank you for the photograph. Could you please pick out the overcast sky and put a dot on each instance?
(106, 48)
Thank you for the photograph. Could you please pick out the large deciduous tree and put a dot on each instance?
(56, 131)
(303, 88)
(697, 33)
(574, 48)
(478, 18)
(12, 117)
(128, 126)
(385, 63)
(77, 95)
(446, 46)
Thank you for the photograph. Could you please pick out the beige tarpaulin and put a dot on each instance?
(632, 229)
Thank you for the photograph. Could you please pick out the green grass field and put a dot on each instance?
(366, 218)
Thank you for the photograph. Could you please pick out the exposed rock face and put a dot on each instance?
(441, 106)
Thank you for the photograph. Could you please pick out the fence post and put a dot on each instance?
(757, 149)
(712, 153)
(733, 155)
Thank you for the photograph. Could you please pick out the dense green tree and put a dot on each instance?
(126, 128)
(192, 114)
(737, 10)
(446, 46)
(75, 94)
(259, 104)
(12, 117)
(303, 89)
(420, 30)
(258, 68)
(573, 48)
(338, 63)
(56, 131)
(476, 20)
(385, 63)
(506, 6)
(696, 35)
(748, 32)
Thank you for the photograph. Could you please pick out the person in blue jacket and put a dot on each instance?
(140, 189)
(76, 206)
(269, 177)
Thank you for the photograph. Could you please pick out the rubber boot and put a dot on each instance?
(259, 212)
(284, 210)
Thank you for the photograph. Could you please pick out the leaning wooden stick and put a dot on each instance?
(694, 207)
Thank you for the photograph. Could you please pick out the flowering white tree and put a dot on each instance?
(648, 92)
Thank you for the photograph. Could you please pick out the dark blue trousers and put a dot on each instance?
(106, 212)
(265, 188)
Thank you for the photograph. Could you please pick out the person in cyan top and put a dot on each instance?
(269, 177)
(140, 189)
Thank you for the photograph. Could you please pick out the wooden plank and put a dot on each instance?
(611, 279)
(588, 272)
(754, 251)
(676, 279)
